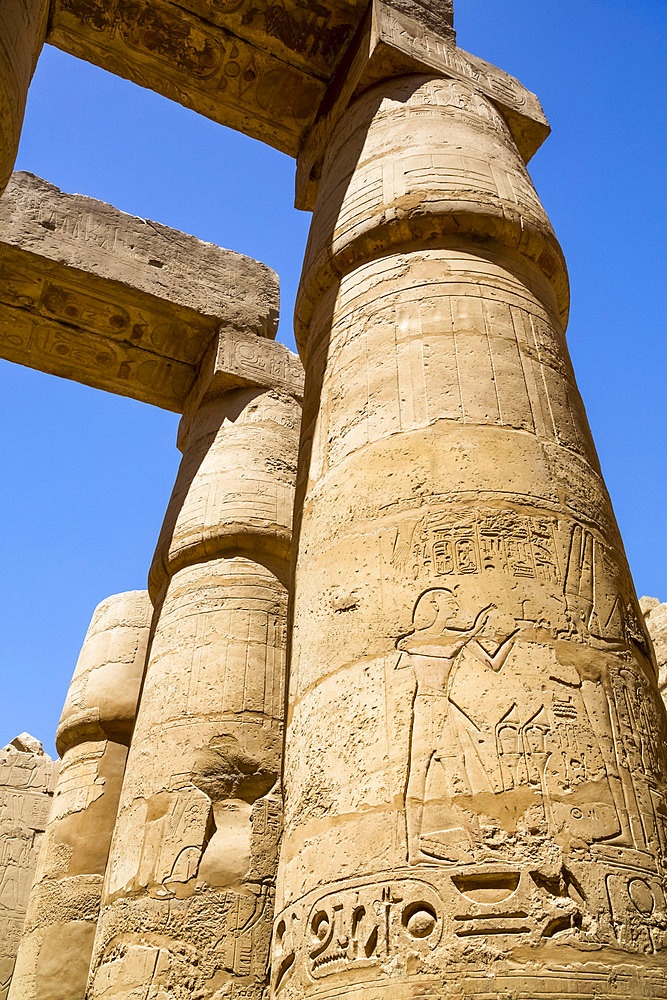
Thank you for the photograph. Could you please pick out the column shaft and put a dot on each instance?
(190, 886)
(22, 34)
(475, 759)
(92, 739)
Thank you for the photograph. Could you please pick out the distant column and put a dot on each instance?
(22, 34)
(27, 777)
(475, 765)
(92, 739)
(189, 892)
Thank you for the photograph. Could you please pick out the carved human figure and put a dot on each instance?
(452, 511)
(433, 649)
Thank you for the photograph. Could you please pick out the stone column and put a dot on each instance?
(22, 34)
(655, 616)
(189, 892)
(27, 777)
(92, 739)
(475, 760)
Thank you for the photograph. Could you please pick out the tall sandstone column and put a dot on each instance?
(189, 893)
(475, 762)
(92, 739)
(22, 34)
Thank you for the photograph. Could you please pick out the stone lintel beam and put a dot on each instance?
(392, 42)
(22, 32)
(262, 68)
(238, 360)
(116, 302)
(182, 55)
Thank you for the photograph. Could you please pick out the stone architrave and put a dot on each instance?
(475, 764)
(22, 33)
(189, 890)
(261, 68)
(116, 302)
(92, 739)
(655, 616)
(27, 777)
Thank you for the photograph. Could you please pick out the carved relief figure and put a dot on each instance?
(434, 825)
(494, 755)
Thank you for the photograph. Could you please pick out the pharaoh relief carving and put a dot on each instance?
(524, 748)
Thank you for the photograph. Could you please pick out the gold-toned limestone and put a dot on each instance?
(475, 765)
(189, 892)
(92, 739)
(475, 757)
(27, 776)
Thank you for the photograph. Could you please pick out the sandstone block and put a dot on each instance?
(475, 769)
(190, 885)
(263, 70)
(655, 616)
(27, 777)
(119, 303)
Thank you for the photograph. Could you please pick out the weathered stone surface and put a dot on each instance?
(27, 777)
(393, 43)
(258, 67)
(475, 770)
(119, 303)
(189, 890)
(22, 32)
(93, 738)
(655, 616)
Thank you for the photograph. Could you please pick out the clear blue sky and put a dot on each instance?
(87, 475)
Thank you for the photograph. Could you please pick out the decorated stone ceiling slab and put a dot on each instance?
(264, 66)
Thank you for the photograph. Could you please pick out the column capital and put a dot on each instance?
(239, 360)
(392, 42)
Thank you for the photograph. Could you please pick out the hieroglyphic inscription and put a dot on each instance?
(59, 349)
(638, 904)
(379, 927)
(474, 734)
(442, 55)
(124, 304)
(478, 541)
(357, 927)
(588, 598)
(311, 36)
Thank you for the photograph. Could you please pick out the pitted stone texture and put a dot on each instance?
(120, 303)
(655, 616)
(22, 33)
(193, 858)
(395, 42)
(26, 792)
(104, 692)
(93, 737)
(235, 486)
(189, 889)
(475, 769)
